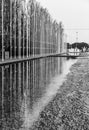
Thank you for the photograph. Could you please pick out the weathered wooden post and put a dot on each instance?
(65, 43)
(2, 6)
(61, 37)
(27, 32)
(33, 40)
(19, 29)
(14, 29)
(23, 28)
(29, 13)
(10, 29)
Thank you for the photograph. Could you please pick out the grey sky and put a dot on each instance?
(73, 14)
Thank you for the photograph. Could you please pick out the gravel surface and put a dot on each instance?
(69, 110)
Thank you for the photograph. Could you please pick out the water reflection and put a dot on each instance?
(22, 85)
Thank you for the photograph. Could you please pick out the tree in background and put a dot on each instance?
(69, 46)
(80, 46)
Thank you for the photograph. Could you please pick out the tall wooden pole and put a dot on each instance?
(23, 27)
(10, 29)
(19, 30)
(27, 35)
(15, 29)
(29, 30)
(2, 30)
(34, 30)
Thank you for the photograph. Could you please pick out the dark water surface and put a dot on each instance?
(25, 88)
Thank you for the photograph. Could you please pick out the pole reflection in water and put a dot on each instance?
(22, 85)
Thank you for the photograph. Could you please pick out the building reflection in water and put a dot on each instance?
(22, 85)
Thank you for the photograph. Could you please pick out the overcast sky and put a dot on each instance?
(74, 14)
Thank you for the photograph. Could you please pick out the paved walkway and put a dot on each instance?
(69, 110)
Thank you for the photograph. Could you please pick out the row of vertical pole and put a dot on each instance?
(27, 30)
